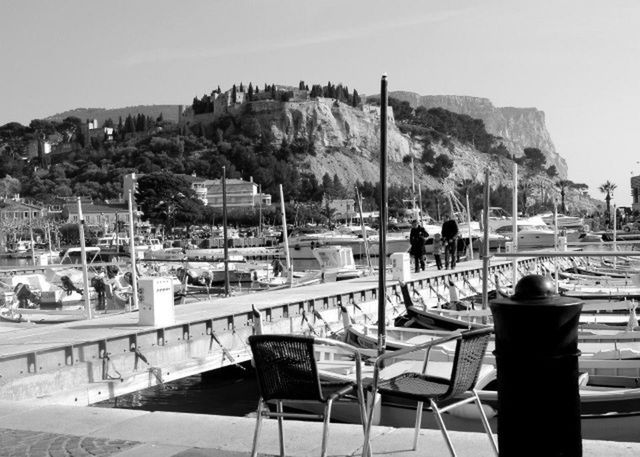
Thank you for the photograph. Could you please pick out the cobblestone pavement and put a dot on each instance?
(20, 443)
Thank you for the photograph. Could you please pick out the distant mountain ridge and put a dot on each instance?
(519, 127)
(169, 113)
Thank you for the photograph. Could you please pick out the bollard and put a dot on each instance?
(537, 353)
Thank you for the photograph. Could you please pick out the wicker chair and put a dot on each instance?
(470, 349)
(286, 370)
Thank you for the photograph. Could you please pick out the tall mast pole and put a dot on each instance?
(31, 242)
(420, 201)
(224, 231)
(413, 191)
(514, 230)
(285, 238)
(485, 245)
(469, 225)
(364, 231)
(83, 259)
(384, 214)
(132, 253)
(260, 210)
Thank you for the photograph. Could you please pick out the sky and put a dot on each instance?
(576, 60)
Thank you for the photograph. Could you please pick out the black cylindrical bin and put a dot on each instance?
(537, 353)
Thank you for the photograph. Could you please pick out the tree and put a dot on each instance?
(168, 199)
(129, 124)
(234, 95)
(533, 159)
(607, 188)
(9, 186)
(563, 184)
(402, 110)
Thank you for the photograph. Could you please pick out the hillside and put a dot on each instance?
(346, 142)
(169, 113)
(518, 127)
(314, 145)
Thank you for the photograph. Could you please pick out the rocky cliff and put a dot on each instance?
(518, 127)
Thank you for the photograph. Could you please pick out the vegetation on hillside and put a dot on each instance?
(164, 155)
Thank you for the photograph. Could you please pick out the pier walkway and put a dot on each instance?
(28, 430)
(88, 361)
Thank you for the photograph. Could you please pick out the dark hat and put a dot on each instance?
(415, 221)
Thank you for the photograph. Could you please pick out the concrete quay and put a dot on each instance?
(88, 361)
(33, 430)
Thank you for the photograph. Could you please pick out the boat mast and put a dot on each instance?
(285, 238)
(364, 231)
(469, 227)
(384, 213)
(260, 210)
(420, 201)
(413, 192)
(83, 259)
(132, 253)
(514, 230)
(485, 246)
(224, 231)
(615, 236)
(33, 252)
(555, 242)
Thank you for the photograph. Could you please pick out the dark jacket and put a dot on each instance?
(449, 229)
(417, 239)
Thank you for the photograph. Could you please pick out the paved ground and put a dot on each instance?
(38, 444)
(31, 430)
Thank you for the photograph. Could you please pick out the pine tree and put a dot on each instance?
(129, 124)
(250, 92)
(241, 87)
(233, 94)
(160, 118)
(355, 100)
(301, 85)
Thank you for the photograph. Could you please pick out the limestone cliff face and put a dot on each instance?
(519, 127)
(346, 139)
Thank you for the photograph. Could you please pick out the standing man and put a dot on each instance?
(417, 239)
(450, 241)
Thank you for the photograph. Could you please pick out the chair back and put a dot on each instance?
(470, 350)
(286, 367)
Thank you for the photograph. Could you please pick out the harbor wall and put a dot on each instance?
(81, 370)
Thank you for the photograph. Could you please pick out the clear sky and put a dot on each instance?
(576, 60)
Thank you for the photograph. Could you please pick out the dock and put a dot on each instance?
(88, 361)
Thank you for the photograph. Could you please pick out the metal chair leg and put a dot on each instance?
(325, 428)
(279, 409)
(363, 414)
(418, 425)
(485, 423)
(366, 447)
(256, 433)
(442, 427)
